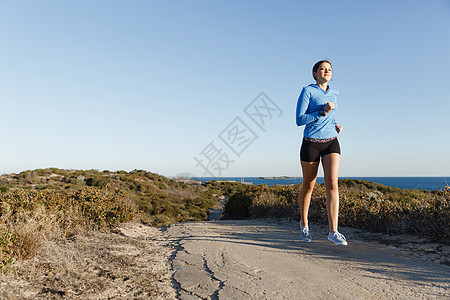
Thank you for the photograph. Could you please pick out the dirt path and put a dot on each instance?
(264, 259)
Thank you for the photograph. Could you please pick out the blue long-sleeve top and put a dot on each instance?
(311, 100)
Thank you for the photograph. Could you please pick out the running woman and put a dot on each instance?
(316, 109)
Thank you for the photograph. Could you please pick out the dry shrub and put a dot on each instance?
(433, 217)
(27, 217)
(426, 214)
(262, 201)
(27, 241)
(277, 201)
(264, 204)
(101, 207)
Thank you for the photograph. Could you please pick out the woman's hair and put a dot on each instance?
(317, 65)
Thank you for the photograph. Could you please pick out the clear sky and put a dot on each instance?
(164, 85)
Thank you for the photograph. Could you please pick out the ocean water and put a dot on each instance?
(423, 183)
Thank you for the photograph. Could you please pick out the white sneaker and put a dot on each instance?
(337, 238)
(305, 234)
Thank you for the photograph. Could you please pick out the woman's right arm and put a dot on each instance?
(302, 118)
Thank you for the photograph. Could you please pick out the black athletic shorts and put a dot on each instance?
(312, 151)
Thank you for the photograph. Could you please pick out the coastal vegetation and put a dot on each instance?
(28, 217)
(55, 204)
(363, 204)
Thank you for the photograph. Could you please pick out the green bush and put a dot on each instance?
(238, 205)
(6, 250)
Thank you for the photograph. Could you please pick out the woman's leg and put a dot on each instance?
(309, 170)
(330, 163)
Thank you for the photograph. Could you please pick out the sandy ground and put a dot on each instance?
(130, 263)
(248, 259)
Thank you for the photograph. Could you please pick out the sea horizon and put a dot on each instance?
(403, 182)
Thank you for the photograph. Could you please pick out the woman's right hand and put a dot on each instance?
(328, 107)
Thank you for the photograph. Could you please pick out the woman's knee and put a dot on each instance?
(331, 181)
(332, 184)
(308, 186)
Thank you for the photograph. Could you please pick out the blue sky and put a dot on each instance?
(154, 85)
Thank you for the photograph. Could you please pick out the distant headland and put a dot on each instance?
(279, 177)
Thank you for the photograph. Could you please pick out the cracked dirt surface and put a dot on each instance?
(264, 259)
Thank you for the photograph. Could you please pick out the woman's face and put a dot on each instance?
(323, 73)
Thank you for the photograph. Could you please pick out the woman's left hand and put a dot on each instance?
(338, 128)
